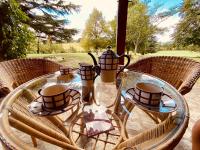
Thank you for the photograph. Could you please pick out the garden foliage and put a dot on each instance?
(14, 35)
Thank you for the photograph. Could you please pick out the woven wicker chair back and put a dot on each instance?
(18, 71)
(180, 72)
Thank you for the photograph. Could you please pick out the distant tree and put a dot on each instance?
(112, 29)
(151, 44)
(139, 27)
(95, 33)
(50, 20)
(188, 30)
(166, 46)
(15, 36)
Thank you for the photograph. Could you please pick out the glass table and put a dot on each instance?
(149, 128)
(134, 126)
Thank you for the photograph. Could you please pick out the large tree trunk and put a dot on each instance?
(2, 51)
(136, 44)
(135, 50)
(1, 55)
(38, 46)
(1, 47)
(128, 51)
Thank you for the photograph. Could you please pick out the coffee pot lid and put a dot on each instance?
(108, 54)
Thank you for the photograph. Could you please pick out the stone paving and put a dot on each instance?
(193, 100)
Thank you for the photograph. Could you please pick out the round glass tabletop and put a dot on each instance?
(136, 123)
(139, 117)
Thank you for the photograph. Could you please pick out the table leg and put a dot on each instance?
(34, 141)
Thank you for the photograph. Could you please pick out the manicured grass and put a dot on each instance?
(181, 53)
(70, 59)
(75, 46)
(42, 55)
(73, 59)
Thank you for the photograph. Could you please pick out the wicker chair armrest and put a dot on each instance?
(4, 90)
(189, 82)
(148, 135)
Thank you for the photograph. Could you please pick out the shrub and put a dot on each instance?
(72, 50)
(51, 48)
(15, 36)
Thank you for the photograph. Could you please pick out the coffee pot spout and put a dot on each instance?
(93, 58)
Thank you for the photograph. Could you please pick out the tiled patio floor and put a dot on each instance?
(193, 100)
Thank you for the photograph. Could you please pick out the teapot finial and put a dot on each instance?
(109, 47)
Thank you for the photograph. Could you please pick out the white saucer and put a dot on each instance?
(167, 104)
(36, 107)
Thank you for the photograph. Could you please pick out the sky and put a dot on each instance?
(109, 10)
(170, 23)
(78, 20)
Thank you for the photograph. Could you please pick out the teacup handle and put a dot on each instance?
(165, 94)
(39, 91)
(128, 58)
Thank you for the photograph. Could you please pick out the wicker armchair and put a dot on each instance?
(17, 71)
(180, 72)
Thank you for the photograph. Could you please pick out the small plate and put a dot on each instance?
(167, 104)
(65, 78)
(36, 107)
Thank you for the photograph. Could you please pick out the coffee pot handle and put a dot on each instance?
(128, 61)
(97, 69)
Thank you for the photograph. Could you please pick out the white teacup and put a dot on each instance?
(54, 97)
(148, 93)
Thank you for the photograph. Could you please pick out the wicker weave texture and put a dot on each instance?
(180, 72)
(18, 71)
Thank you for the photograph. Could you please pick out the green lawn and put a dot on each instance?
(182, 53)
(72, 59)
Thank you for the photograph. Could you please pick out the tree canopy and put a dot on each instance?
(50, 18)
(95, 35)
(112, 30)
(188, 30)
(139, 28)
(14, 35)
(18, 17)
